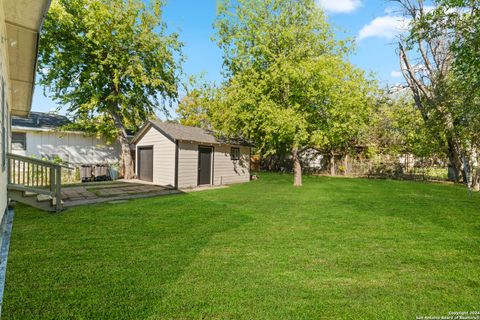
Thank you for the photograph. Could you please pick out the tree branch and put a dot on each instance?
(410, 73)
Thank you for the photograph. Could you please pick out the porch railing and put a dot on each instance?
(37, 176)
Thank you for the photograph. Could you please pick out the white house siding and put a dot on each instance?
(163, 156)
(4, 123)
(75, 148)
(312, 159)
(227, 171)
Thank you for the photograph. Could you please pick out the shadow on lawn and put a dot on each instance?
(107, 261)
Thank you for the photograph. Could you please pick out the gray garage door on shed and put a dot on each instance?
(145, 163)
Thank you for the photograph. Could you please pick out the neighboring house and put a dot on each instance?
(41, 136)
(184, 157)
(20, 24)
(313, 160)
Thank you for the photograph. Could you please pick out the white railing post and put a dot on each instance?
(58, 176)
(52, 180)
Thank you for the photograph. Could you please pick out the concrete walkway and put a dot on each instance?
(96, 192)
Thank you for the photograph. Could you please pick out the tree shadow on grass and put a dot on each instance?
(108, 261)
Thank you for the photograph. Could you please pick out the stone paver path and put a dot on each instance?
(88, 193)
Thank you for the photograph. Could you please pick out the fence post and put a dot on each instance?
(58, 178)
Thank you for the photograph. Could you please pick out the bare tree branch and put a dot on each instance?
(411, 74)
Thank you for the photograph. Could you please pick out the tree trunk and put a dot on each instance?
(345, 164)
(455, 162)
(475, 171)
(126, 162)
(476, 181)
(332, 163)
(297, 168)
(406, 163)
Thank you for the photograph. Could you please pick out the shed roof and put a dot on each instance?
(41, 120)
(178, 132)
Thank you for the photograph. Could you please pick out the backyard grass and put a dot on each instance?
(334, 249)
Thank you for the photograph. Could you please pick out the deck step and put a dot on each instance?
(31, 200)
(30, 194)
(43, 198)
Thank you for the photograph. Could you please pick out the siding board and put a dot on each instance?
(187, 164)
(75, 148)
(163, 156)
(229, 171)
(225, 170)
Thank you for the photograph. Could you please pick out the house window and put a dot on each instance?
(19, 141)
(235, 153)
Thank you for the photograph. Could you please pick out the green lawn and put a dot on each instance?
(335, 248)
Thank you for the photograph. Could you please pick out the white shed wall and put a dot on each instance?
(163, 156)
(74, 148)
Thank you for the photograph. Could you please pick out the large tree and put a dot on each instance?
(427, 61)
(460, 19)
(288, 85)
(111, 63)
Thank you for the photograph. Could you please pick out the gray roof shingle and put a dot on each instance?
(41, 120)
(185, 133)
(46, 121)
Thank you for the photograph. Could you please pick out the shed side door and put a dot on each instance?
(205, 165)
(145, 163)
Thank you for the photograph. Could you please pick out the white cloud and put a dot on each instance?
(384, 27)
(340, 6)
(396, 74)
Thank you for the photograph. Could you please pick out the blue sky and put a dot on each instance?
(373, 23)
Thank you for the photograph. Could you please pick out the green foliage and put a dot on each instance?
(398, 128)
(254, 34)
(109, 58)
(462, 19)
(193, 108)
(56, 159)
(288, 84)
